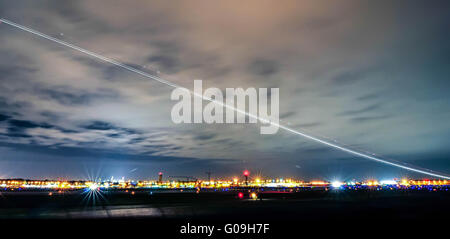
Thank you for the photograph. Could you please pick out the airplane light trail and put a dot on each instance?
(156, 78)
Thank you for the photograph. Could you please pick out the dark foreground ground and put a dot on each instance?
(327, 212)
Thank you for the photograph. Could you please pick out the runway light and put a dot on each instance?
(93, 186)
(240, 195)
(336, 184)
(318, 183)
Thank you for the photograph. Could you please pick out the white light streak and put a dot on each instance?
(156, 78)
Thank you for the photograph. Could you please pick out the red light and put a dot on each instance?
(240, 195)
(160, 173)
(246, 173)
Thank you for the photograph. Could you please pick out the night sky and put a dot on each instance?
(371, 74)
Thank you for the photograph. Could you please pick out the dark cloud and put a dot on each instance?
(366, 109)
(14, 134)
(91, 152)
(166, 62)
(114, 135)
(106, 126)
(366, 119)
(51, 115)
(206, 136)
(14, 71)
(263, 67)
(69, 131)
(18, 128)
(99, 125)
(73, 97)
(25, 124)
(4, 117)
(12, 106)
